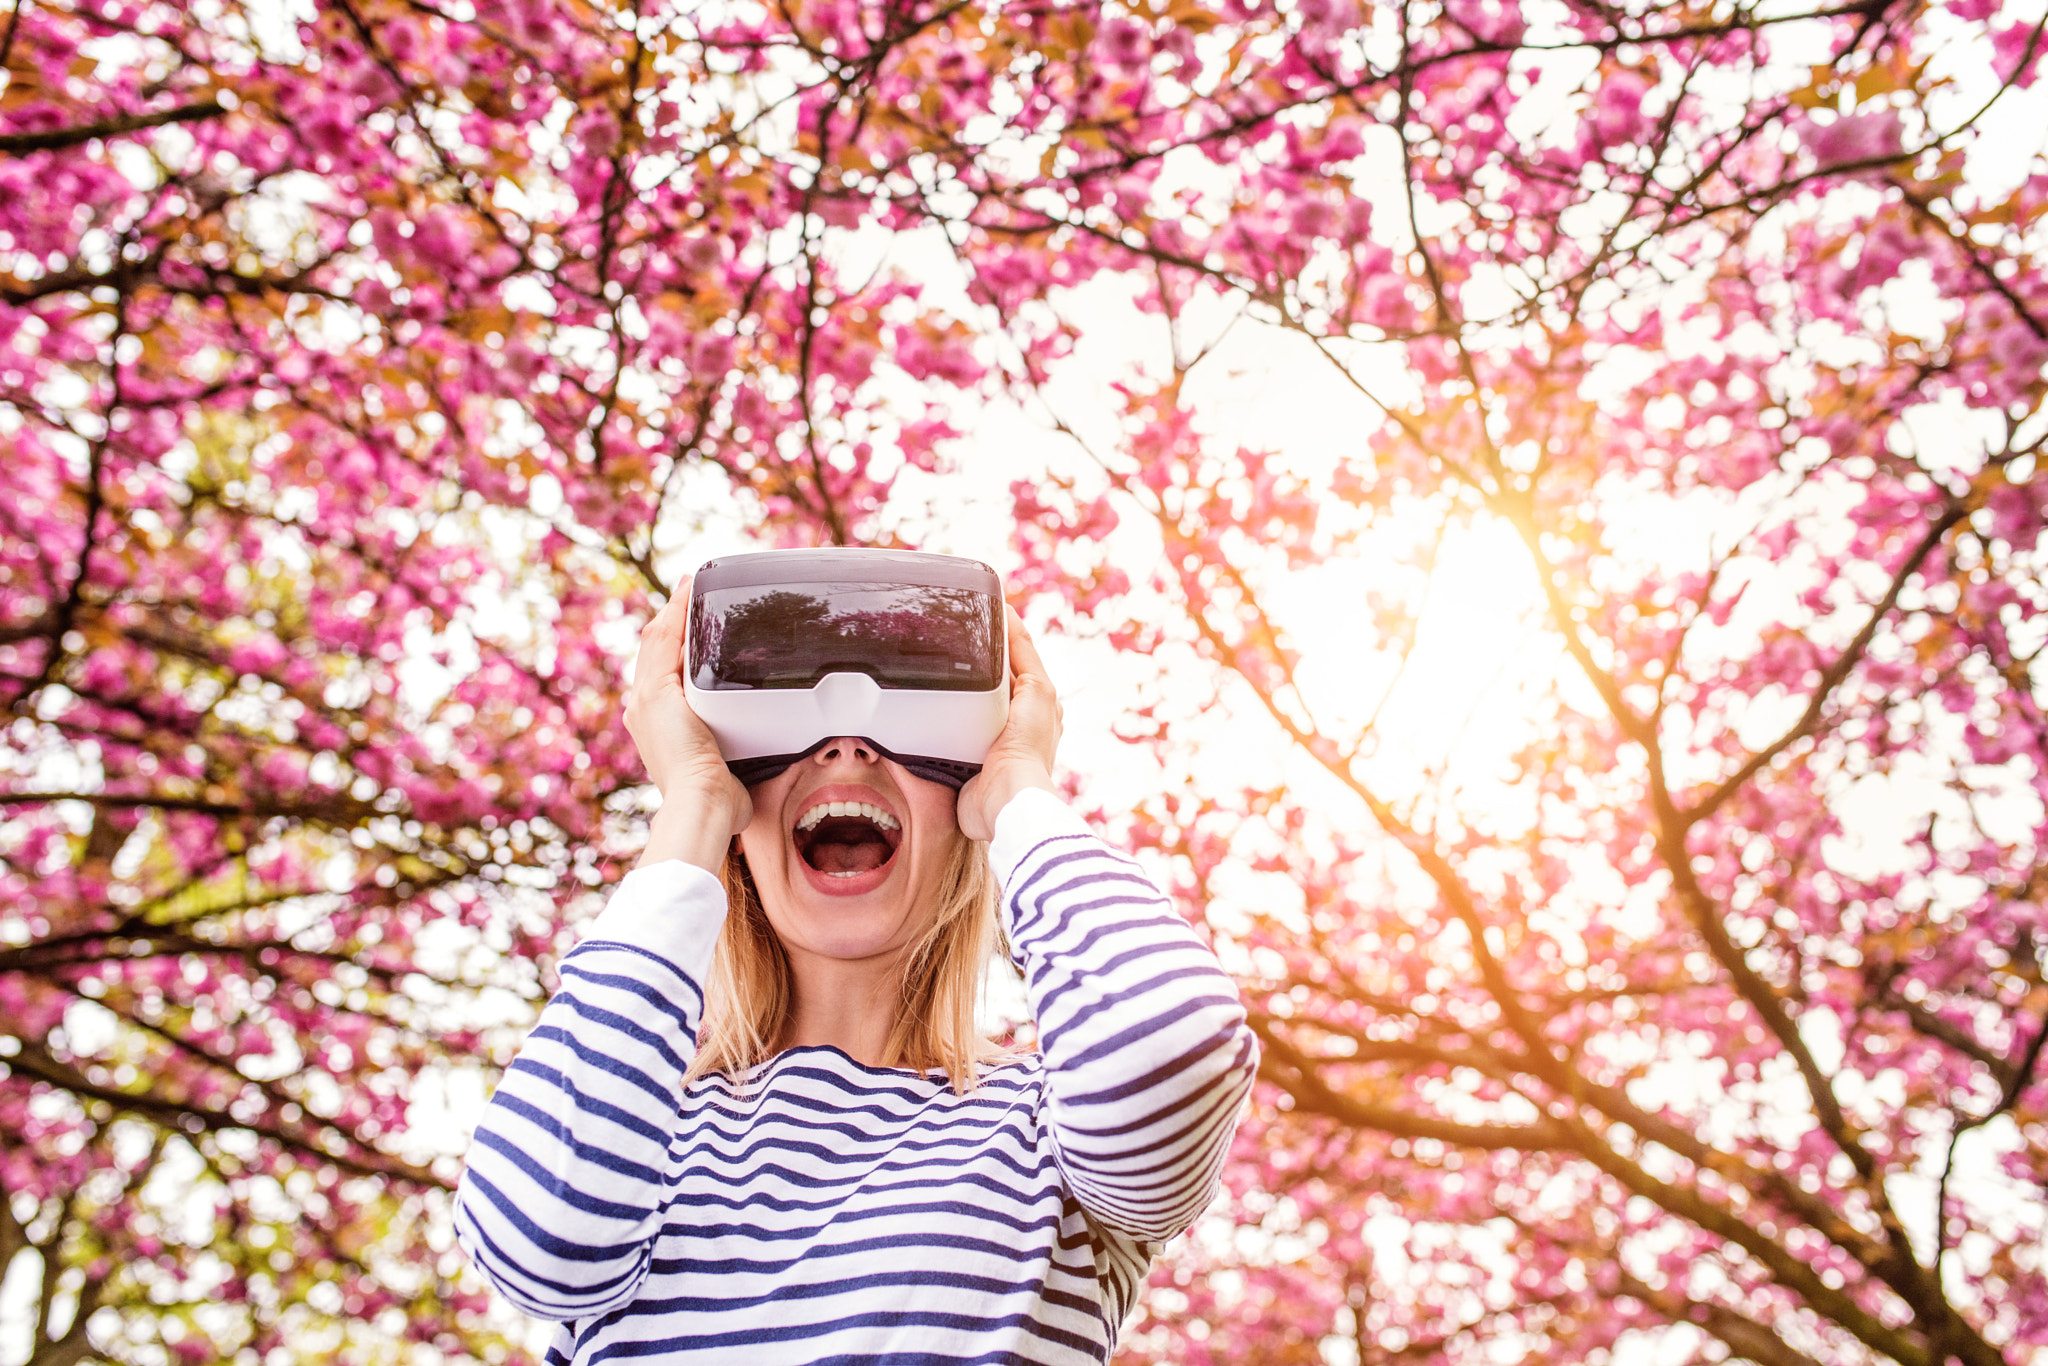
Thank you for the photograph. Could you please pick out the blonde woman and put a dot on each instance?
(756, 1123)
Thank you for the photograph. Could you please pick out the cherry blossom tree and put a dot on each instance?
(1636, 1044)
(372, 367)
(352, 357)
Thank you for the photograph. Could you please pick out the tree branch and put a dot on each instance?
(1744, 1336)
(1849, 658)
(49, 139)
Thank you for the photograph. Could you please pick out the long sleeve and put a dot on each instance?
(563, 1189)
(1147, 1054)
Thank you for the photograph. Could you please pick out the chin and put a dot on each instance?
(848, 918)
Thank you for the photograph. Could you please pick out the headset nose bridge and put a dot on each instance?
(847, 703)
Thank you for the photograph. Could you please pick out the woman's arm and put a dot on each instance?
(1147, 1055)
(566, 1177)
(564, 1185)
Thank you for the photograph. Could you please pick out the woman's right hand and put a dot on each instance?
(702, 805)
(1022, 755)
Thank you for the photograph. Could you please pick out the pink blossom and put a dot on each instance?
(1875, 135)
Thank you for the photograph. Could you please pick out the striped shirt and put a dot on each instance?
(829, 1211)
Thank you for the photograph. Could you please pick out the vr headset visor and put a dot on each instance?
(908, 651)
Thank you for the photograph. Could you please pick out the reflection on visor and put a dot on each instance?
(900, 635)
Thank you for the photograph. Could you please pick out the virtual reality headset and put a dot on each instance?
(907, 651)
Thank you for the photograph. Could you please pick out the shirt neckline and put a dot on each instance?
(935, 1074)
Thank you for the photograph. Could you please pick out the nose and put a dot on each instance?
(846, 746)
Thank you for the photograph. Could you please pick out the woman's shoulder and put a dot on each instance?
(1011, 1064)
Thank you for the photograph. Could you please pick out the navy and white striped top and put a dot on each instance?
(830, 1211)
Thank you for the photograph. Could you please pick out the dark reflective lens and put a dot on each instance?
(900, 635)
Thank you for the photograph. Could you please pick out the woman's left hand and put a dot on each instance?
(1022, 755)
(702, 805)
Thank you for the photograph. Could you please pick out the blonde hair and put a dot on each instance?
(750, 997)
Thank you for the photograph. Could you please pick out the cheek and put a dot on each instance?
(934, 806)
(939, 827)
(753, 845)
(761, 841)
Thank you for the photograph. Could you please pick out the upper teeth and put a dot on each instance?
(866, 809)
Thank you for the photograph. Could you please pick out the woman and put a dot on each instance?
(769, 1134)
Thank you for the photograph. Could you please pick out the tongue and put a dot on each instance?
(854, 856)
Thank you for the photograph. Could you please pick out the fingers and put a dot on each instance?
(661, 641)
(1024, 657)
(674, 614)
(1029, 676)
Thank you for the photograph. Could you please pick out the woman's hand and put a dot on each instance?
(1022, 755)
(702, 805)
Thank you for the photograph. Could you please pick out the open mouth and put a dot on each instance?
(847, 839)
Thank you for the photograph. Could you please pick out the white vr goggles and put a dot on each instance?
(908, 651)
